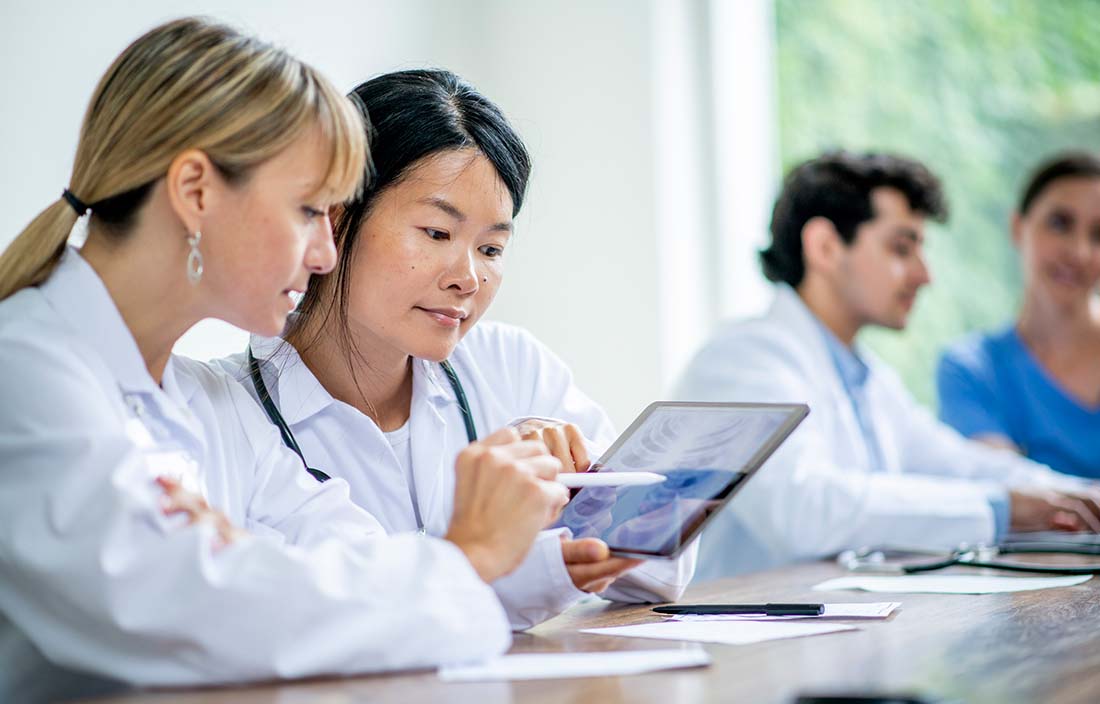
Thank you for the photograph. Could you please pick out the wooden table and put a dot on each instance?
(1041, 646)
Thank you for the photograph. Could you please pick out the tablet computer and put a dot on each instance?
(706, 453)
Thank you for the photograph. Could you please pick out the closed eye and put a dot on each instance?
(313, 213)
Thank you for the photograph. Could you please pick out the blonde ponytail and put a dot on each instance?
(186, 84)
(29, 260)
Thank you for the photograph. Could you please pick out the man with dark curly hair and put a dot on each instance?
(869, 466)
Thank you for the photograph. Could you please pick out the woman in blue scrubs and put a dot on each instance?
(1034, 387)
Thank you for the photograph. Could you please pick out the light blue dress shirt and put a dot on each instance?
(854, 372)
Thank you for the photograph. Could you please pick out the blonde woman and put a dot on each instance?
(206, 165)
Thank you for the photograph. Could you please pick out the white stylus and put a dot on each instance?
(579, 480)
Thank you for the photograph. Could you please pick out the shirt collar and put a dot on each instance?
(849, 365)
(298, 393)
(79, 296)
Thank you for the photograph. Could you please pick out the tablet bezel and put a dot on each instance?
(797, 412)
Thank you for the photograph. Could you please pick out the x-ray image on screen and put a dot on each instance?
(704, 452)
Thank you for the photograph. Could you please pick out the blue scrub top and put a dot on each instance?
(991, 384)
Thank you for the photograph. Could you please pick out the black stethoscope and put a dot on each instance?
(867, 560)
(277, 419)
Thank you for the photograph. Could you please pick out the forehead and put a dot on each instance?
(301, 168)
(893, 217)
(1078, 192)
(465, 178)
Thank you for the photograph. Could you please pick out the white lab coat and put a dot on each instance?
(506, 374)
(818, 494)
(95, 580)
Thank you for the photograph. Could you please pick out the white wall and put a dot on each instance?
(620, 258)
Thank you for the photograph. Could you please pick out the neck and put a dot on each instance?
(373, 376)
(829, 309)
(150, 289)
(1046, 326)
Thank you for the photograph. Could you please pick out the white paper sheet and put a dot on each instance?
(875, 610)
(538, 666)
(948, 583)
(739, 632)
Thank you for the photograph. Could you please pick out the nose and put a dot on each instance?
(922, 273)
(461, 275)
(1084, 249)
(321, 254)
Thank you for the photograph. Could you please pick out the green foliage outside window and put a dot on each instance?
(980, 91)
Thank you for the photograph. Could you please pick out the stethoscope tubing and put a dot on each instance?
(276, 416)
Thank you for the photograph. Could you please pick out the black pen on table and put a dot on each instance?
(764, 609)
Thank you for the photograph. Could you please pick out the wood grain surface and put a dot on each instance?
(1041, 646)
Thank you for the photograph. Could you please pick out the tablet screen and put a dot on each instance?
(705, 451)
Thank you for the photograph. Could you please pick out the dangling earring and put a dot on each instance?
(194, 258)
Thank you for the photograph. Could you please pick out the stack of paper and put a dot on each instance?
(948, 583)
(730, 632)
(537, 666)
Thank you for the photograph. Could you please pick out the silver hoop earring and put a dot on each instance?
(194, 258)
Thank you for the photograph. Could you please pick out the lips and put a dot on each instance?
(1066, 276)
(447, 317)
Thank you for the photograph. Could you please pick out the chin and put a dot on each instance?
(266, 326)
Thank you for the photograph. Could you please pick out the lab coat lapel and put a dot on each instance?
(431, 439)
(841, 426)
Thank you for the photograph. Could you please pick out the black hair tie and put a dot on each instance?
(77, 204)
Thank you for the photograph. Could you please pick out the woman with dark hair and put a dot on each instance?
(384, 373)
(1034, 387)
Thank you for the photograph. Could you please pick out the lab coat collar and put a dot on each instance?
(299, 395)
(79, 296)
(81, 299)
(789, 308)
(294, 388)
(849, 365)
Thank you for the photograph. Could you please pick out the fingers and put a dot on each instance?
(504, 436)
(597, 576)
(558, 497)
(1079, 510)
(563, 440)
(584, 550)
(554, 437)
(576, 447)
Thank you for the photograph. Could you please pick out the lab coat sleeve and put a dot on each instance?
(541, 587)
(931, 447)
(800, 504)
(546, 388)
(101, 581)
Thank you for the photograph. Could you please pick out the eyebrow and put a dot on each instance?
(909, 234)
(457, 214)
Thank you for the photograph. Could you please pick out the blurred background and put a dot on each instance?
(659, 131)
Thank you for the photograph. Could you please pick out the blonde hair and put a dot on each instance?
(189, 83)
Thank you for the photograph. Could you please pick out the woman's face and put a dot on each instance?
(1059, 241)
(267, 236)
(427, 262)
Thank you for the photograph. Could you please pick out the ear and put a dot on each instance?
(192, 183)
(1017, 226)
(821, 245)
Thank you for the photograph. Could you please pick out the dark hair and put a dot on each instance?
(837, 186)
(410, 115)
(1064, 165)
